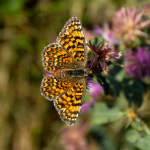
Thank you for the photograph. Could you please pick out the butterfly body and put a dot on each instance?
(70, 73)
(66, 60)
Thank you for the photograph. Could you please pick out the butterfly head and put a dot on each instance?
(88, 71)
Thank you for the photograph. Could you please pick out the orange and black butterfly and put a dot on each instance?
(65, 60)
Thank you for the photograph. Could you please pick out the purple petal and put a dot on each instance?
(138, 63)
(86, 106)
(106, 25)
(97, 30)
(48, 75)
(95, 89)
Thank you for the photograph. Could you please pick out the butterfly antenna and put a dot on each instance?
(92, 64)
(100, 80)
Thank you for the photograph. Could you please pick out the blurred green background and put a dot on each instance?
(27, 120)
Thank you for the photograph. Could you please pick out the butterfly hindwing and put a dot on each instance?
(69, 103)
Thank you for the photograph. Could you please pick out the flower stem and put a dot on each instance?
(113, 63)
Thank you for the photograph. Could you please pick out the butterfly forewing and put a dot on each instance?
(72, 39)
(54, 57)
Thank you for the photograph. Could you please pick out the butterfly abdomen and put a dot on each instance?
(66, 73)
(59, 74)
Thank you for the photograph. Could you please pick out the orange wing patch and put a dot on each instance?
(72, 39)
(52, 88)
(54, 57)
(69, 104)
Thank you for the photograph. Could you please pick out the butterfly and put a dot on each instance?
(66, 60)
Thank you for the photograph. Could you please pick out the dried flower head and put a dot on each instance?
(138, 63)
(128, 24)
(101, 55)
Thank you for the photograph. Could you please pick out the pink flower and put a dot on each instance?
(128, 23)
(138, 63)
(73, 138)
(95, 90)
(107, 34)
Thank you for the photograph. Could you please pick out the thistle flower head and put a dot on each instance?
(101, 55)
(138, 63)
(128, 23)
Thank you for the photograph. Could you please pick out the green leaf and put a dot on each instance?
(139, 141)
(114, 69)
(102, 138)
(132, 136)
(143, 143)
(102, 114)
(133, 90)
(87, 97)
(120, 75)
(115, 85)
(97, 40)
(105, 85)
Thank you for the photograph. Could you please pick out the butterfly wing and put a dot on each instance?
(72, 39)
(54, 57)
(69, 103)
(67, 95)
(52, 88)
